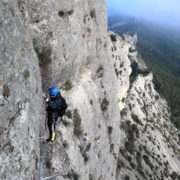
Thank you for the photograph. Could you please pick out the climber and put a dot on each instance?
(56, 107)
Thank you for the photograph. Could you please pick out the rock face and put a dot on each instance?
(66, 35)
(150, 144)
(116, 126)
(20, 97)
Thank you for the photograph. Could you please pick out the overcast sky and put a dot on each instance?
(161, 11)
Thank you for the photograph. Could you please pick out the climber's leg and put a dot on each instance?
(54, 128)
(50, 127)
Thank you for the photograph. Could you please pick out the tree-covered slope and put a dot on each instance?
(159, 48)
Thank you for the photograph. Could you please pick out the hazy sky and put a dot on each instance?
(162, 11)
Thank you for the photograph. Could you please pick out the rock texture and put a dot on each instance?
(116, 126)
(150, 144)
(20, 97)
(66, 35)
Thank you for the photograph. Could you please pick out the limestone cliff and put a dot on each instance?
(149, 148)
(116, 126)
(20, 97)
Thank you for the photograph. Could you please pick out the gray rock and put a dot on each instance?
(20, 97)
(101, 75)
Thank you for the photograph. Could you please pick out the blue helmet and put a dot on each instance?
(53, 91)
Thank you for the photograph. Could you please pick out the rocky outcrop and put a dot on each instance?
(150, 144)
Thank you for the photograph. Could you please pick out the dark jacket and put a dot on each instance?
(56, 106)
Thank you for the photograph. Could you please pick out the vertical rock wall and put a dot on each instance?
(20, 97)
(66, 34)
(70, 42)
(65, 43)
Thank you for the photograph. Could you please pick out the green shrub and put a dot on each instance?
(136, 119)
(113, 38)
(104, 105)
(61, 13)
(123, 112)
(110, 129)
(93, 14)
(65, 144)
(84, 151)
(148, 162)
(69, 114)
(73, 175)
(26, 74)
(100, 71)
(65, 13)
(126, 177)
(131, 130)
(174, 175)
(111, 148)
(123, 100)
(91, 102)
(86, 158)
(67, 85)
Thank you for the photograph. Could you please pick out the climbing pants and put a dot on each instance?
(52, 120)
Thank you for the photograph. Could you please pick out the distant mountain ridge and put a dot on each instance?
(159, 48)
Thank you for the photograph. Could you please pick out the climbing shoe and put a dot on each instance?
(53, 136)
